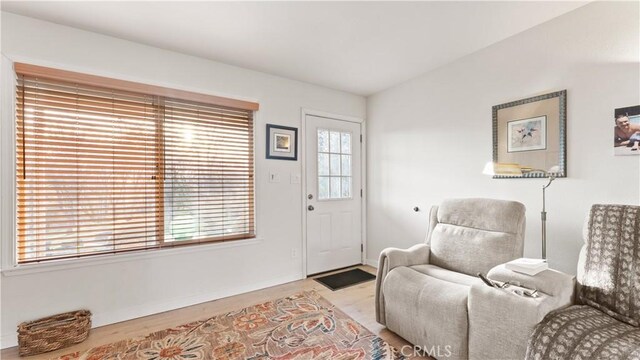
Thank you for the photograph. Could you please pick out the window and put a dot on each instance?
(102, 169)
(334, 165)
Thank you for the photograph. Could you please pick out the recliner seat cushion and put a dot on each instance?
(447, 275)
(582, 332)
(426, 311)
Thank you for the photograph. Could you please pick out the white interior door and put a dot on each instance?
(333, 190)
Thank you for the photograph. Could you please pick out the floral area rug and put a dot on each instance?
(304, 326)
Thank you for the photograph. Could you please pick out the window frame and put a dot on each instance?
(318, 176)
(9, 262)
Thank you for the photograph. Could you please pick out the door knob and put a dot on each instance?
(310, 208)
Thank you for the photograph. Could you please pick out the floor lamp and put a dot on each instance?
(543, 214)
(514, 170)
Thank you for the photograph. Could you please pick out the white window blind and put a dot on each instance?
(101, 170)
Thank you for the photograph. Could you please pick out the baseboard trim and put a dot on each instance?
(134, 312)
(371, 262)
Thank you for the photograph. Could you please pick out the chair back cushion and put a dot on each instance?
(609, 268)
(474, 235)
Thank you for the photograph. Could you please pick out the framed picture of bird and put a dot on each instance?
(531, 133)
(527, 134)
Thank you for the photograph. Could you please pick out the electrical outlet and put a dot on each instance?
(295, 178)
(294, 253)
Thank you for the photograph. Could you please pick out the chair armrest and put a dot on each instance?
(500, 322)
(551, 282)
(394, 257)
(391, 258)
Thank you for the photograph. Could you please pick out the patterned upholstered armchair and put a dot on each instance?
(605, 322)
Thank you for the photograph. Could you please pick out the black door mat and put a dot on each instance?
(345, 279)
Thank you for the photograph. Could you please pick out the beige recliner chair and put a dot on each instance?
(422, 292)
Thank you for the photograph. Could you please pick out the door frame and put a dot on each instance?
(363, 181)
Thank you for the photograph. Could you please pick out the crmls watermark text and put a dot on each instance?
(435, 351)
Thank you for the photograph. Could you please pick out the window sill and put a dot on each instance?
(115, 258)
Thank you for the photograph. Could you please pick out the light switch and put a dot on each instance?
(274, 177)
(295, 178)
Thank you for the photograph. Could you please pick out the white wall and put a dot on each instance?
(429, 138)
(128, 288)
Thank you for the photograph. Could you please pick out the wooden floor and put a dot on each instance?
(356, 301)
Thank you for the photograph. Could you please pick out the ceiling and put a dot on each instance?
(359, 47)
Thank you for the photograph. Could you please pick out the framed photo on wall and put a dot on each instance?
(626, 131)
(282, 142)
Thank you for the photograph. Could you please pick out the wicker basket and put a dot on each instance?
(53, 332)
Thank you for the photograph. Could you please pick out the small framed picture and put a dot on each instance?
(282, 142)
(626, 131)
(527, 134)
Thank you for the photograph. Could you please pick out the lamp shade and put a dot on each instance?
(502, 169)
